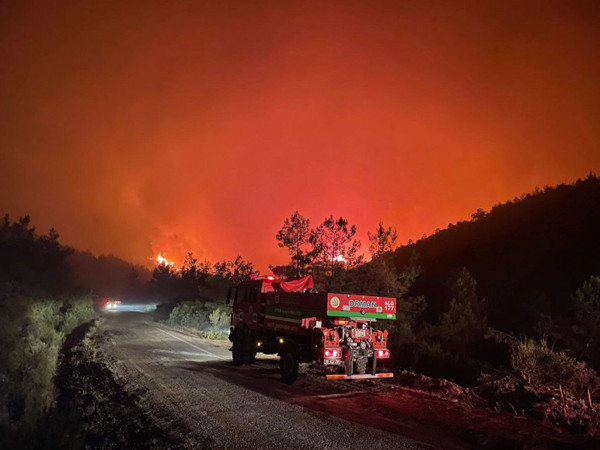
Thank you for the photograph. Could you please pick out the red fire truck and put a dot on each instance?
(288, 319)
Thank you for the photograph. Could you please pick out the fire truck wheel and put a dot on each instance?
(251, 358)
(361, 365)
(237, 351)
(288, 362)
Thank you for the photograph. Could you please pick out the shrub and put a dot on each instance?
(78, 311)
(32, 332)
(208, 317)
(432, 360)
(561, 387)
(219, 319)
(543, 367)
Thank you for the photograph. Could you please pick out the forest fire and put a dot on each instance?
(161, 260)
(442, 155)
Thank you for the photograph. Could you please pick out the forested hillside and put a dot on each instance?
(107, 275)
(528, 256)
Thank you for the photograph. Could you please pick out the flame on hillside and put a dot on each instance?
(161, 260)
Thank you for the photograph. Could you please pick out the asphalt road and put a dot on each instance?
(196, 394)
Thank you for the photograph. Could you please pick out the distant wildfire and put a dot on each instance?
(161, 260)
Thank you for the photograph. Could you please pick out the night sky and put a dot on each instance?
(142, 127)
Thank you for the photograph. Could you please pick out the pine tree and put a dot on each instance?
(466, 319)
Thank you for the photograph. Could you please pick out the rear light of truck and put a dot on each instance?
(332, 353)
(383, 353)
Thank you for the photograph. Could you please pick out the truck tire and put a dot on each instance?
(250, 358)
(237, 350)
(361, 365)
(288, 362)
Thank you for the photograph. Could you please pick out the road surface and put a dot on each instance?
(198, 396)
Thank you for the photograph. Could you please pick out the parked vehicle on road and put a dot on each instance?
(288, 319)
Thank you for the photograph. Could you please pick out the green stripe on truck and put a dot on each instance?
(358, 315)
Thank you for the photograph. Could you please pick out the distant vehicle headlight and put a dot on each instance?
(112, 304)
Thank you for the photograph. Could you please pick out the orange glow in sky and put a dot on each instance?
(141, 127)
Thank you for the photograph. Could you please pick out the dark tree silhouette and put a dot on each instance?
(31, 260)
(382, 241)
(587, 319)
(294, 236)
(334, 249)
(466, 320)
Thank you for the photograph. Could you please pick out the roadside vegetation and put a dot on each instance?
(208, 318)
(193, 295)
(38, 312)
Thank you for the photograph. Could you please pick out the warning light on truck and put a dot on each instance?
(332, 353)
(385, 353)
